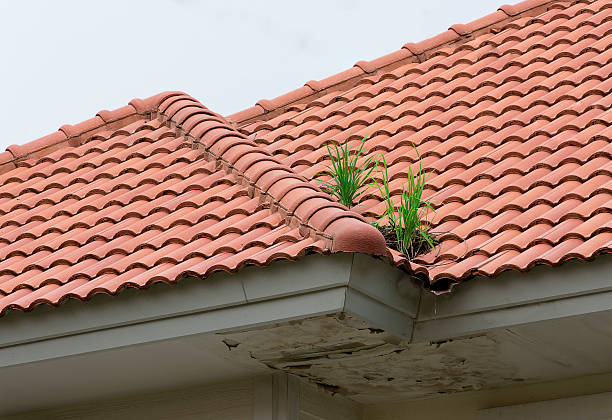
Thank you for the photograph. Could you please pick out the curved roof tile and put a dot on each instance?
(510, 113)
(511, 116)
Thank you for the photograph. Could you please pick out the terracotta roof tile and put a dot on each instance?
(513, 122)
(152, 192)
(511, 114)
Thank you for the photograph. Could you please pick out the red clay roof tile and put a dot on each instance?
(152, 192)
(511, 114)
(513, 124)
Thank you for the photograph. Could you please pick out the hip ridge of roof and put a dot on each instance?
(300, 202)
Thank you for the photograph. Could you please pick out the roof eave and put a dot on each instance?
(353, 297)
(364, 287)
(340, 283)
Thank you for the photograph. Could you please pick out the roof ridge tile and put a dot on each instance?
(410, 52)
(347, 230)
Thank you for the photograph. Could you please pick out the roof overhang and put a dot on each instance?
(577, 288)
(317, 285)
(348, 306)
(169, 336)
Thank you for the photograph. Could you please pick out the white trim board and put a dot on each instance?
(316, 285)
(364, 287)
(513, 298)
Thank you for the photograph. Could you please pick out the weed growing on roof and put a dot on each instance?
(348, 180)
(408, 228)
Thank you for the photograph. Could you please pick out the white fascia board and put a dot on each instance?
(545, 293)
(383, 282)
(189, 296)
(379, 315)
(316, 285)
(513, 288)
(234, 317)
(366, 288)
(481, 322)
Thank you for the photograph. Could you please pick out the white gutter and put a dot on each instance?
(359, 285)
(513, 298)
(255, 296)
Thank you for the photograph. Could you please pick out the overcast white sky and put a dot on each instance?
(65, 60)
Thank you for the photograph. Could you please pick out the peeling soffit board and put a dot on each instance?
(346, 322)
(513, 339)
(351, 357)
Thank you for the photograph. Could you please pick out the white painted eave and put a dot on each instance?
(576, 288)
(365, 288)
(316, 285)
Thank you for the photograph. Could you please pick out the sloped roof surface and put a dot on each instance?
(510, 113)
(126, 199)
(513, 123)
